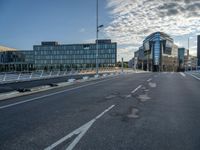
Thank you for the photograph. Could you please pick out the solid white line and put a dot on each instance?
(136, 89)
(80, 132)
(48, 95)
(128, 96)
(149, 80)
(183, 74)
(194, 76)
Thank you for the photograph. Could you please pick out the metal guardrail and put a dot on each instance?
(41, 74)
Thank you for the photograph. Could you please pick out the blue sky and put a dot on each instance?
(24, 23)
(27, 22)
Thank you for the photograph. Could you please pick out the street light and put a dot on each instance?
(97, 36)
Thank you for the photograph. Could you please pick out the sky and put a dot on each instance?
(24, 23)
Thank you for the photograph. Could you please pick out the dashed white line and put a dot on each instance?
(136, 89)
(149, 80)
(128, 96)
(80, 132)
(51, 94)
(181, 73)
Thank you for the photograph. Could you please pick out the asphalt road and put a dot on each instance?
(146, 111)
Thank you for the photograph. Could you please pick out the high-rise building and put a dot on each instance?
(198, 49)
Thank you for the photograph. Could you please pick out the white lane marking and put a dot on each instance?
(110, 96)
(183, 74)
(128, 96)
(48, 95)
(80, 132)
(149, 80)
(136, 89)
(194, 76)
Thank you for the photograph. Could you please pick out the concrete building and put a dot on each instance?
(15, 60)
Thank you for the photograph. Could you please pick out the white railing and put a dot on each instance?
(41, 74)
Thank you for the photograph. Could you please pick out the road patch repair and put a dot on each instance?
(152, 85)
(133, 113)
(143, 97)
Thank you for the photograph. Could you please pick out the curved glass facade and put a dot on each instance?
(160, 53)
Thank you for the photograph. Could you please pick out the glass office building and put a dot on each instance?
(160, 53)
(139, 58)
(16, 60)
(52, 55)
(181, 58)
(198, 49)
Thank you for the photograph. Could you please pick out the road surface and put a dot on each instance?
(145, 111)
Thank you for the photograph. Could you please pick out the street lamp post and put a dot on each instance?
(97, 31)
(97, 36)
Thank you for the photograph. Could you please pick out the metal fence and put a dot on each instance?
(6, 77)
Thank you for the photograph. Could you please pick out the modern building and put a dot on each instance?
(198, 49)
(159, 53)
(139, 58)
(52, 55)
(181, 58)
(16, 60)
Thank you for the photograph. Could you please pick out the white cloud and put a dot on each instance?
(133, 20)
